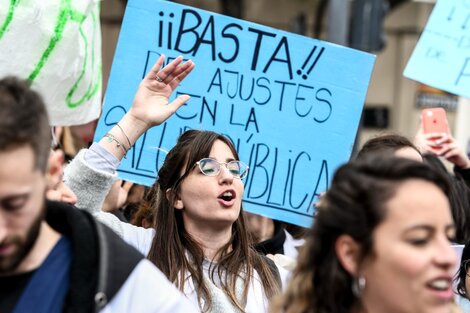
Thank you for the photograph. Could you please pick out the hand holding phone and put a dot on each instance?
(435, 129)
(434, 121)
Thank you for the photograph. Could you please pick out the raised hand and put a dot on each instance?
(425, 142)
(151, 103)
(446, 147)
(442, 145)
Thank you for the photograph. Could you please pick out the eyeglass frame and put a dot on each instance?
(180, 179)
(198, 163)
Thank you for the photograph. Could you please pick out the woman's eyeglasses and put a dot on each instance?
(211, 167)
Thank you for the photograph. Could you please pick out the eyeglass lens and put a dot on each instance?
(211, 167)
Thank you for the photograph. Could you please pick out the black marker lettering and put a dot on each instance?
(266, 87)
(292, 181)
(217, 76)
(212, 113)
(231, 96)
(282, 43)
(180, 112)
(189, 30)
(258, 165)
(225, 34)
(297, 98)
(140, 155)
(231, 116)
(252, 119)
(211, 41)
(259, 40)
(273, 174)
(323, 170)
(330, 108)
(289, 164)
(241, 88)
(281, 98)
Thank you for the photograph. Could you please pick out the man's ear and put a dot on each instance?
(348, 251)
(178, 203)
(55, 169)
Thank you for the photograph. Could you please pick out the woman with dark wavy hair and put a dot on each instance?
(381, 242)
(199, 240)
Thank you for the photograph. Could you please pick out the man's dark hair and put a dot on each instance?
(385, 144)
(24, 120)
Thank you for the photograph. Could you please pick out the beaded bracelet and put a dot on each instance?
(110, 137)
(122, 130)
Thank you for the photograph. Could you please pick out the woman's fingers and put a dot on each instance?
(166, 74)
(177, 71)
(451, 154)
(432, 144)
(444, 149)
(155, 68)
(177, 103)
(182, 75)
(436, 136)
(172, 74)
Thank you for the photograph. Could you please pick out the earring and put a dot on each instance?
(358, 286)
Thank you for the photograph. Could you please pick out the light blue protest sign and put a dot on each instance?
(290, 104)
(441, 58)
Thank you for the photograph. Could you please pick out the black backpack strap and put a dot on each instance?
(117, 260)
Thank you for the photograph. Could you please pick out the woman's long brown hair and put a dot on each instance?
(176, 253)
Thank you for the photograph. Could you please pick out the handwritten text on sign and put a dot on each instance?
(290, 104)
(441, 59)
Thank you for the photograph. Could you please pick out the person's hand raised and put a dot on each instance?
(151, 105)
(442, 145)
(447, 147)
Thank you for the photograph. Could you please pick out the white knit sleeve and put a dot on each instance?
(91, 187)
